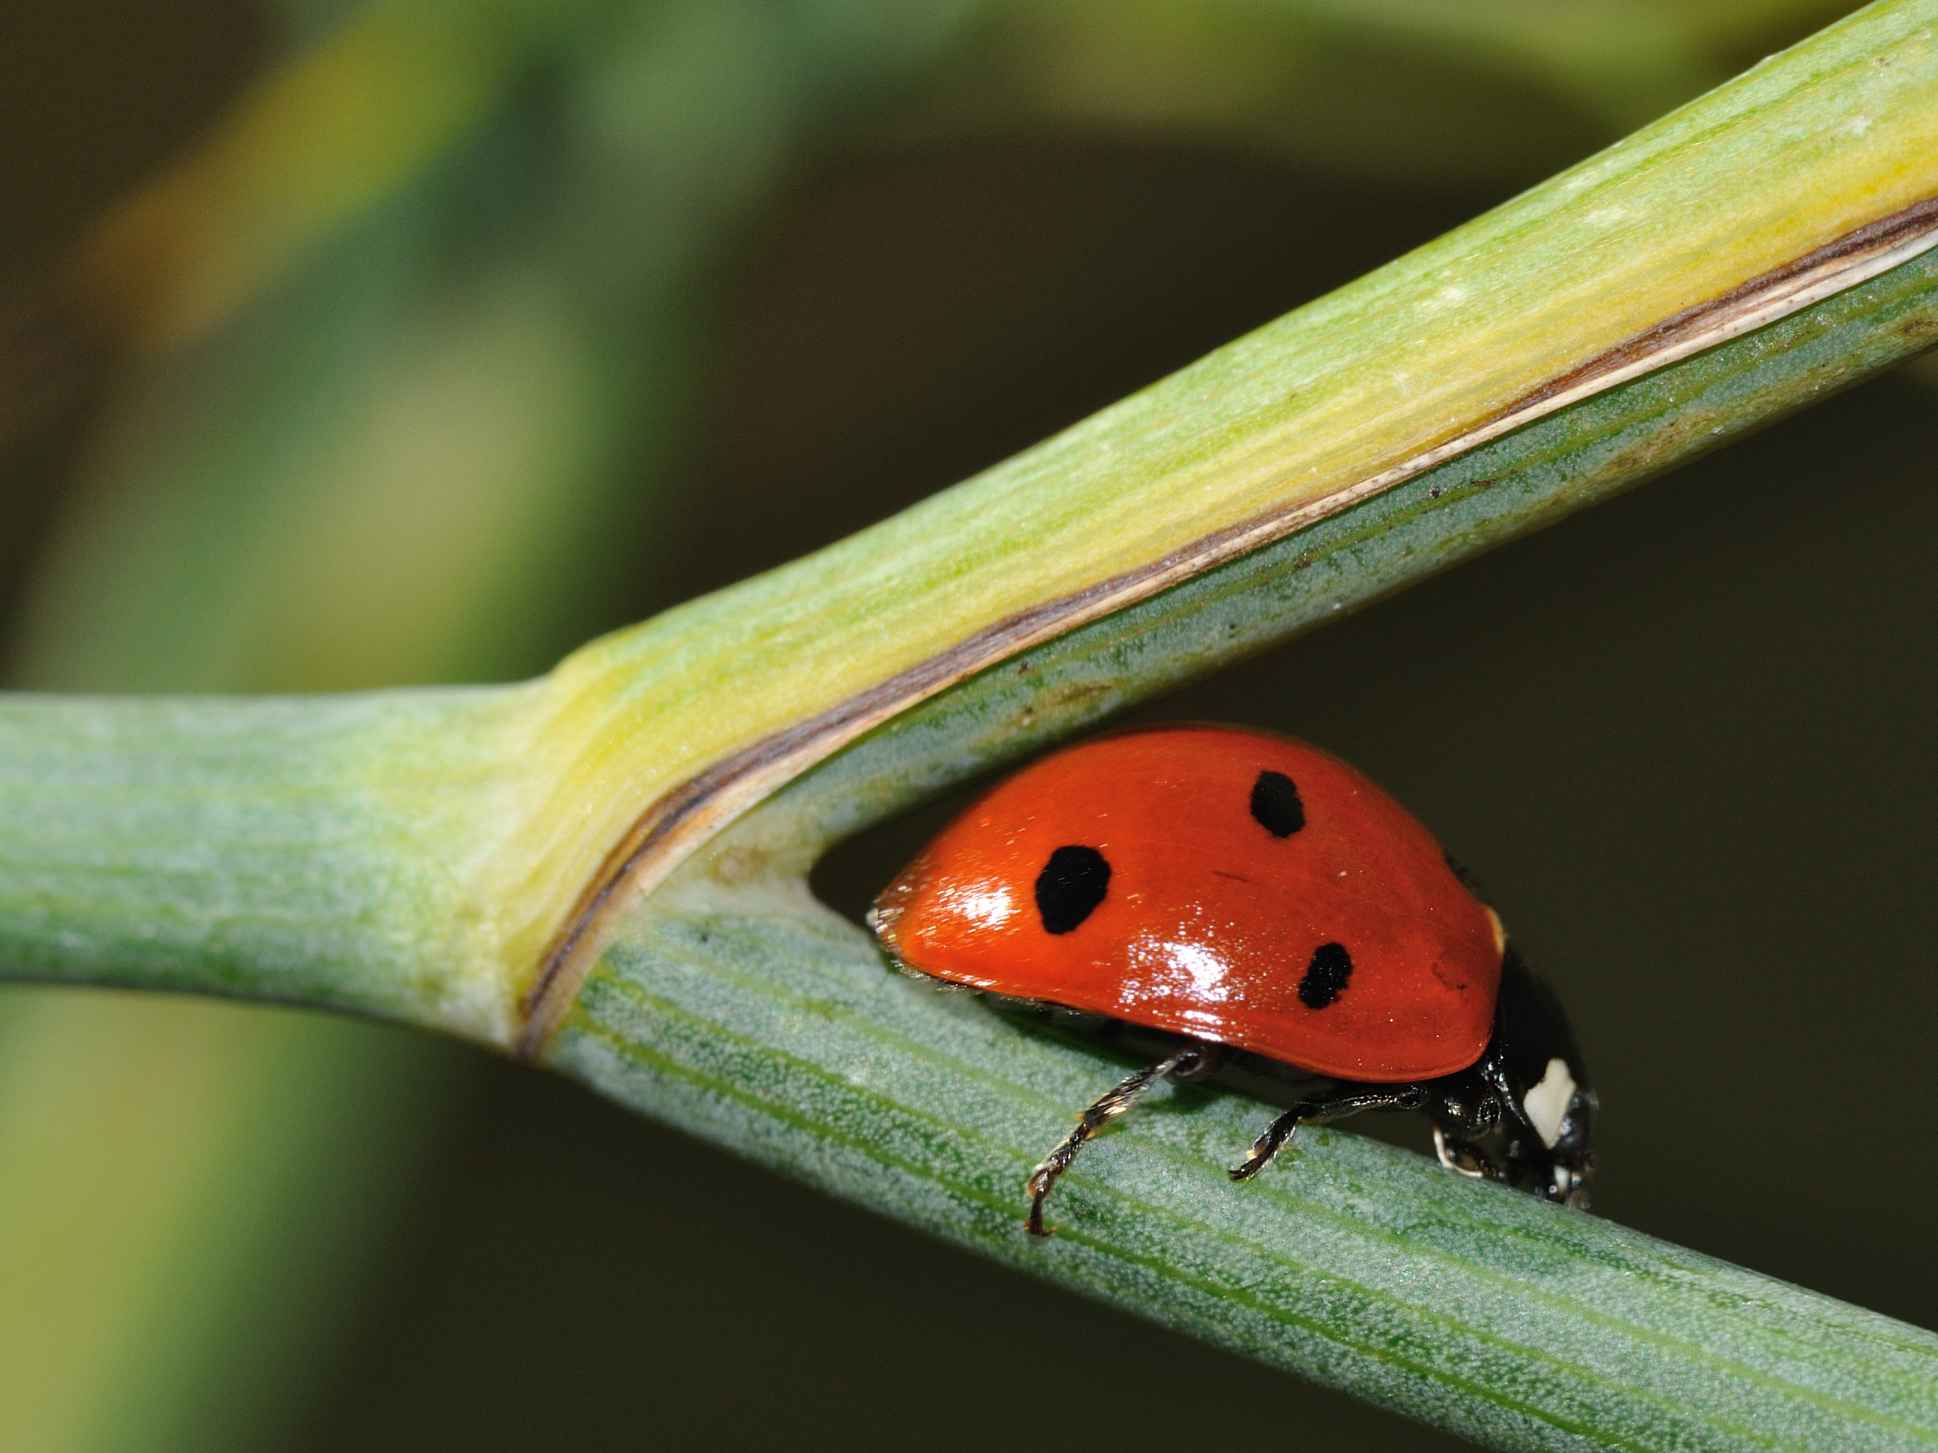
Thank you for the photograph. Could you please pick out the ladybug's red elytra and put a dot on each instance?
(1248, 895)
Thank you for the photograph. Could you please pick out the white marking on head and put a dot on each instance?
(1547, 1102)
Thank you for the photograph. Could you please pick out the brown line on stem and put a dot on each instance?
(681, 819)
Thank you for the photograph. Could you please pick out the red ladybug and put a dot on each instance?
(1253, 898)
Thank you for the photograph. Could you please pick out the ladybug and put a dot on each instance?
(1259, 904)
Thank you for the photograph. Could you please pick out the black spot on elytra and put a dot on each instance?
(1070, 887)
(1325, 977)
(1276, 805)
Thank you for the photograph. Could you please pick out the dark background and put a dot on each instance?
(1683, 739)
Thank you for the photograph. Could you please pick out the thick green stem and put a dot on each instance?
(1451, 514)
(306, 849)
(778, 1032)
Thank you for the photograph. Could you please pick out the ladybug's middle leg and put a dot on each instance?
(1188, 1063)
(1340, 1103)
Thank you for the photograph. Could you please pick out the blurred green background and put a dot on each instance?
(355, 345)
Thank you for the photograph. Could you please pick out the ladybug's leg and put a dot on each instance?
(1279, 1133)
(1188, 1063)
(1465, 1158)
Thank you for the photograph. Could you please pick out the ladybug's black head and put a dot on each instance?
(1525, 1114)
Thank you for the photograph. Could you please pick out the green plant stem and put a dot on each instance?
(1465, 507)
(306, 850)
(779, 1033)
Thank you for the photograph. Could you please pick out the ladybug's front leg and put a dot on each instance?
(1466, 1158)
(1340, 1103)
